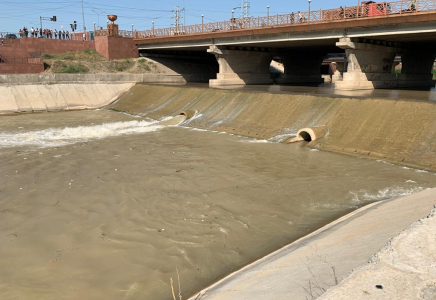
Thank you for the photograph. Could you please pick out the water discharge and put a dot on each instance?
(103, 205)
(56, 137)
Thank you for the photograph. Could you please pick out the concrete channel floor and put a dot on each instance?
(310, 265)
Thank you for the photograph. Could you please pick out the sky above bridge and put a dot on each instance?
(19, 13)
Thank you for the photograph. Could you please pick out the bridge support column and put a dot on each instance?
(238, 67)
(417, 67)
(301, 68)
(369, 65)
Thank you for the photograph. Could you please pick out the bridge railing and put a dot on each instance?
(324, 15)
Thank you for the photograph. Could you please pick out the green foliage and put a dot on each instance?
(62, 67)
(90, 55)
(121, 65)
(142, 61)
(152, 64)
(76, 68)
(89, 51)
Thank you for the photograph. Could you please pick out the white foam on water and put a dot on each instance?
(282, 137)
(197, 129)
(385, 194)
(256, 141)
(55, 137)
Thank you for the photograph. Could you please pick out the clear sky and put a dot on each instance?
(141, 13)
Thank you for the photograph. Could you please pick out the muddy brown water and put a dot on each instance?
(103, 205)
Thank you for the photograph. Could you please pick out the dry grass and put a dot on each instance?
(172, 287)
(90, 61)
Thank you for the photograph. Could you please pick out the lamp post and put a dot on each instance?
(202, 22)
(267, 15)
(152, 32)
(308, 18)
(132, 31)
(233, 18)
(358, 9)
(98, 17)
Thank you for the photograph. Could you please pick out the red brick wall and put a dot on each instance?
(116, 47)
(29, 47)
(26, 46)
(6, 68)
(109, 47)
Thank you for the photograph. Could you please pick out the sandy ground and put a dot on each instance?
(309, 266)
(404, 269)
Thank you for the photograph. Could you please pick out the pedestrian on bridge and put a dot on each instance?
(300, 17)
(292, 18)
(413, 5)
(341, 12)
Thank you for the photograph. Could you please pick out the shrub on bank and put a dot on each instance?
(62, 67)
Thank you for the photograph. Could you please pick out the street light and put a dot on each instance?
(98, 17)
(132, 31)
(267, 15)
(309, 10)
(202, 22)
(153, 28)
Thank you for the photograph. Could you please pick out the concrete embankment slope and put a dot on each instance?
(33, 98)
(404, 269)
(399, 131)
(306, 268)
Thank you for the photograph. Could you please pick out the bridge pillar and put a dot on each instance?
(239, 67)
(370, 65)
(301, 68)
(417, 67)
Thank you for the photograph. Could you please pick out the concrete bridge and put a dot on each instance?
(371, 35)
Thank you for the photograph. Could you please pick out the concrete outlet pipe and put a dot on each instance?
(309, 134)
(188, 113)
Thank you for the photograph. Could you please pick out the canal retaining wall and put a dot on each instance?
(34, 97)
(397, 131)
(52, 78)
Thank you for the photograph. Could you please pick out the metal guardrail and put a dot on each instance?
(327, 15)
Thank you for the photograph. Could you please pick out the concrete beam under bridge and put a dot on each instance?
(301, 67)
(371, 66)
(238, 67)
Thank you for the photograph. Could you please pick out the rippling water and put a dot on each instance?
(102, 205)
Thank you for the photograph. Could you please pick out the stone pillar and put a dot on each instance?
(369, 65)
(239, 67)
(301, 68)
(112, 30)
(416, 71)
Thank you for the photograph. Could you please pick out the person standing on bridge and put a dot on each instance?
(341, 12)
(292, 18)
(300, 17)
(413, 5)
